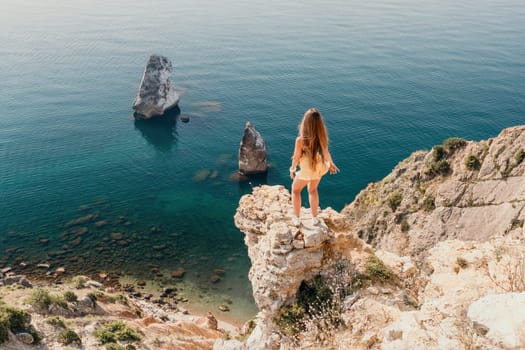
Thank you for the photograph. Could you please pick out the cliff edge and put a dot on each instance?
(459, 190)
(430, 257)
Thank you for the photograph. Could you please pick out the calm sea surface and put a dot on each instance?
(390, 77)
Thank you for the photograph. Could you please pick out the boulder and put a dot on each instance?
(499, 317)
(157, 92)
(25, 338)
(252, 152)
(18, 279)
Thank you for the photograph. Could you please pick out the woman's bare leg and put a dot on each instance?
(313, 196)
(297, 187)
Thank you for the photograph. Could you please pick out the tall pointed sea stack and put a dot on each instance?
(252, 152)
(157, 92)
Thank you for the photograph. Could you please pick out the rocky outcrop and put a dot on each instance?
(157, 92)
(446, 304)
(252, 152)
(283, 256)
(459, 190)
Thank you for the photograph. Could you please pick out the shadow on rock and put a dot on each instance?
(161, 131)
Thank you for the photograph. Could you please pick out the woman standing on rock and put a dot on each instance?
(314, 160)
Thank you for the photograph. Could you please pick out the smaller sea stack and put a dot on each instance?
(252, 152)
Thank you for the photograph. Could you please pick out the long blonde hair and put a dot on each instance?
(313, 133)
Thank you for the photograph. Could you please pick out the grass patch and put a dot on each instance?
(377, 271)
(117, 330)
(40, 299)
(519, 156)
(429, 203)
(440, 167)
(472, 162)
(56, 322)
(289, 319)
(68, 336)
(438, 153)
(70, 296)
(79, 282)
(395, 200)
(319, 305)
(453, 143)
(404, 225)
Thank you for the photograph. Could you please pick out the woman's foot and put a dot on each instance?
(296, 221)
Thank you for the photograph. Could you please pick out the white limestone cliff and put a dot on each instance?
(458, 260)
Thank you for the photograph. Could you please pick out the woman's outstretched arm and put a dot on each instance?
(328, 157)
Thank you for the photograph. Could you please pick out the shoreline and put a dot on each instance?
(187, 296)
(170, 320)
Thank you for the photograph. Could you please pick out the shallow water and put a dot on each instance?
(390, 77)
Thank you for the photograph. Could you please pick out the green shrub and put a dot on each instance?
(12, 319)
(79, 282)
(92, 296)
(58, 300)
(117, 330)
(472, 162)
(289, 319)
(376, 270)
(404, 225)
(40, 299)
(319, 304)
(454, 143)
(429, 204)
(313, 294)
(68, 336)
(105, 336)
(4, 327)
(519, 156)
(394, 200)
(438, 153)
(441, 167)
(70, 296)
(56, 322)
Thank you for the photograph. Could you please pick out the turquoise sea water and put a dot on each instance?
(390, 77)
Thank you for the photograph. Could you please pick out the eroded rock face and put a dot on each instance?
(283, 256)
(252, 152)
(440, 306)
(157, 92)
(482, 195)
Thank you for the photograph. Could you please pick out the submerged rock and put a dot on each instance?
(252, 152)
(157, 92)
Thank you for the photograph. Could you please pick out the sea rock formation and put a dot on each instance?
(156, 92)
(442, 303)
(252, 152)
(459, 190)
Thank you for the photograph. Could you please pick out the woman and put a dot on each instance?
(312, 155)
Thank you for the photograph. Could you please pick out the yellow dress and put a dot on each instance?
(306, 172)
